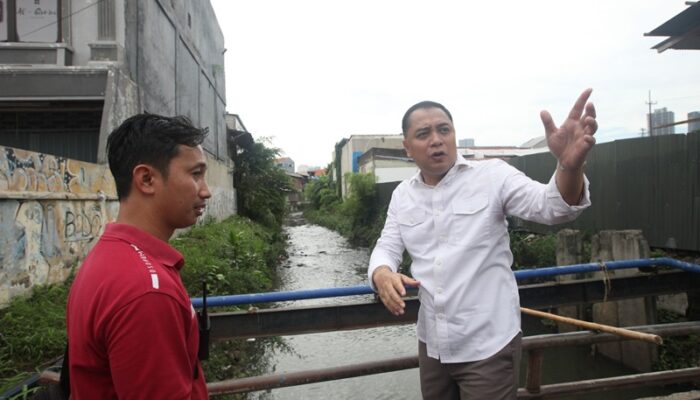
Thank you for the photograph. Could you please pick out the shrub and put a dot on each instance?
(531, 250)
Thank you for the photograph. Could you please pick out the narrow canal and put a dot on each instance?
(321, 258)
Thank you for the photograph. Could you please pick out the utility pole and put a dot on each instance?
(650, 103)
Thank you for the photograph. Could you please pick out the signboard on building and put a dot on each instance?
(37, 20)
(3, 20)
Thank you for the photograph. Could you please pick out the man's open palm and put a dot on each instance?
(571, 141)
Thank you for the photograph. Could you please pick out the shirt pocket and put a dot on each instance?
(470, 223)
(413, 228)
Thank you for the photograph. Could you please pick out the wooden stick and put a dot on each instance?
(647, 337)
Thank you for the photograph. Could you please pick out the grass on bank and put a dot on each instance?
(235, 256)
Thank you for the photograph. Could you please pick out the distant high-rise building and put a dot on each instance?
(466, 142)
(694, 125)
(661, 117)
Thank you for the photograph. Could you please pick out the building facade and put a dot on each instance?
(349, 150)
(286, 164)
(70, 72)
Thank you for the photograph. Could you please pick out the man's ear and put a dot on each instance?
(405, 146)
(144, 177)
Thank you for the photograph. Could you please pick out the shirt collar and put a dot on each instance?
(161, 251)
(460, 163)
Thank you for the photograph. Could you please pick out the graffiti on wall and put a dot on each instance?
(42, 239)
(28, 171)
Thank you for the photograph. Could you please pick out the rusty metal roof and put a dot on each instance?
(683, 30)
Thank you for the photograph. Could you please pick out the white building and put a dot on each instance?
(349, 150)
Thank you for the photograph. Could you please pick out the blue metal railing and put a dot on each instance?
(253, 298)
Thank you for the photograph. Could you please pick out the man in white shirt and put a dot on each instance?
(451, 218)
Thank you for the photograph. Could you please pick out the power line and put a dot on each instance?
(681, 98)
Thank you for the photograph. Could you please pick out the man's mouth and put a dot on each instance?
(438, 155)
(199, 209)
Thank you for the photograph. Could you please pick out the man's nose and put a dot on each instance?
(204, 191)
(435, 138)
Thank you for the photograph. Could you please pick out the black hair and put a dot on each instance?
(423, 104)
(148, 139)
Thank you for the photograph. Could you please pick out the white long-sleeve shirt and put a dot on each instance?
(456, 234)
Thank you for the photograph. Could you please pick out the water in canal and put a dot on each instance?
(320, 258)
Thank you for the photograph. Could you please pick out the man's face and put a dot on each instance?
(430, 141)
(182, 197)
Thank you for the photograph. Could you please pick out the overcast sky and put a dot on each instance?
(309, 73)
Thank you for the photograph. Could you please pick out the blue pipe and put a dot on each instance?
(241, 299)
(611, 265)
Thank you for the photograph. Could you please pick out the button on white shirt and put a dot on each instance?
(470, 307)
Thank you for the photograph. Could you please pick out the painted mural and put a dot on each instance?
(51, 211)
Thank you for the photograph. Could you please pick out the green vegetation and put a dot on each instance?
(677, 351)
(234, 256)
(261, 186)
(33, 333)
(359, 218)
(532, 250)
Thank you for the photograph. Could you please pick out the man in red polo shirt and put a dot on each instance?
(132, 331)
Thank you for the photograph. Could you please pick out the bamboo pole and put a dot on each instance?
(647, 337)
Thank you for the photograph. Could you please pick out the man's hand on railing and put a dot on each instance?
(390, 286)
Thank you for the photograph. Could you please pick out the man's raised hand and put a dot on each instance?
(571, 141)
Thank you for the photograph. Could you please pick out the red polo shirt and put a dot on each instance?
(132, 331)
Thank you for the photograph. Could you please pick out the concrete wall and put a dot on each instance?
(51, 211)
(615, 246)
(612, 246)
(174, 52)
(223, 196)
(389, 170)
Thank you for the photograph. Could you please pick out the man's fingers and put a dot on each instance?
(549, 126)
(578, 107)
(394, 303)
(590, 110)
(409, 281)
(392, 291)
(398, 286)
(591, 125)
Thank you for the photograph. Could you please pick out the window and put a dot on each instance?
(30, 21)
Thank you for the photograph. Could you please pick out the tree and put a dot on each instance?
(261, 185)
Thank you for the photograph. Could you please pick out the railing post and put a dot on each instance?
(534, 371)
